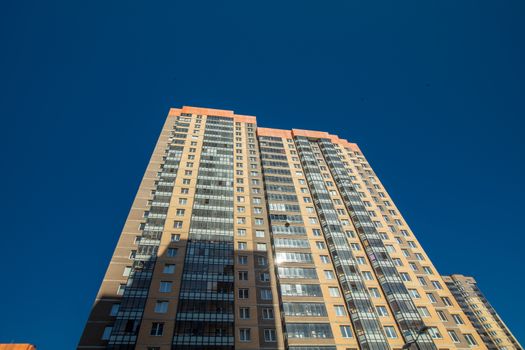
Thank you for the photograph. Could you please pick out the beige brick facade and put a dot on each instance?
(255, 238)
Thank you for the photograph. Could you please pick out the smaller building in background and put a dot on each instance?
(17, 347)
(483, 316)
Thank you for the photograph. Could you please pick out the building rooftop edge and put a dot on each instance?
(262, 131)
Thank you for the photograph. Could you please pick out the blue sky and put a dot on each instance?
(432, 91)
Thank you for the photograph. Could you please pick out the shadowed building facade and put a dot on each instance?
(254, 238)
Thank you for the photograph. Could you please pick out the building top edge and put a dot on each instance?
(307, 133)
(264, 131)
(213, 111)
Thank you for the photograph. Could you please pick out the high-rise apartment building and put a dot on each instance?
(255, 238)
(483, 316)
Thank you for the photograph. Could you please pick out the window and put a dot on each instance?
(423, 311)
(243, 293)
(350, 234)
(434, 333)
(127, 271)
(259, 233)
(390, 332)
(446, 301)
(183, 201)
(309, 330)
(107, 332)
(374, 292)
(293, 257)
(266, 294)
(172, 252)
(264, 277)
(437, 285)
(453, 336)
(175, 237)
(242, 259)
(405, 276)
(300, 290)
(381, 311)
(244, 334)
(269, 335)
(442, 316)
(261, 247)
(121, 289)
(432, 298)
(458, 319)
(244, 313)
(243, 275)
(428, 270)
(259, 221)
(316, 232)
(262, 261)
(325, 259)
(304, 309)
(414, 293)
(157, 329)
(339, 310)
(267, 313)
(180, 212)
(470, 339)
(346, 331)
(169, 268)
(177, 224)
(114, 309)
(334, 291)
(241, 232)
(329, 274)
(320, 245)
(165, 286)
(367, 275)
(242, 245)
(161, 307)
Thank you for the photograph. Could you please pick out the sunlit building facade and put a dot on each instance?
(243, 237)
(495, 334)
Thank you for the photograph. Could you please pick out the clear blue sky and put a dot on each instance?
(432, 91)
